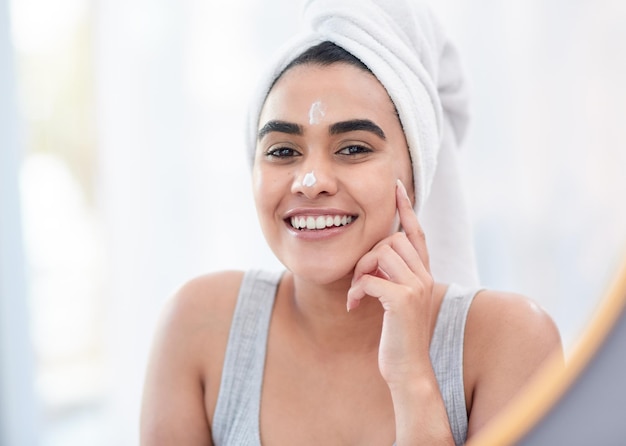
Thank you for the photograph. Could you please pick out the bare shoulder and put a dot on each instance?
(196, 321)
(210, 289)
(187, 355)
(199, 313)
(205, 300)
(508, 337)
(501, 319)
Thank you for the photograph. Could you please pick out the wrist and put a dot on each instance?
(420, 413)
(409, 375)
(417, 386)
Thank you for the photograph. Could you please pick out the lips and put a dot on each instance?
(319, 222)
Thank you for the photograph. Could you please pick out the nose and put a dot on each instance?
(314, 179)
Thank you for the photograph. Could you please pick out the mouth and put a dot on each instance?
(319, 222)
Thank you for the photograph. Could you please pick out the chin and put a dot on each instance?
(322, 274)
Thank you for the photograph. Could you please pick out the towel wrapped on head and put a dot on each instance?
(404, 46)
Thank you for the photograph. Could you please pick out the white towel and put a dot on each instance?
(402, 43)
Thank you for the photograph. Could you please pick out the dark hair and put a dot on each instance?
(324, 54)
(328, 53)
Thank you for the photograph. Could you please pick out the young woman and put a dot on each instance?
(355, 343)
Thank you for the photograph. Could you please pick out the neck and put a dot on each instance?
(319, 314)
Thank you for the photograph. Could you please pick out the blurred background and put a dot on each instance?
(123, 174)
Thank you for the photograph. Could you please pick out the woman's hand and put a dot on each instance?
(396, 272)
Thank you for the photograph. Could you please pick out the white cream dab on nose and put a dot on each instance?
(309, 179)
(316, 112)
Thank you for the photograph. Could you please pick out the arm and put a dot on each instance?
(188, 349)
(172, 408)
(508, 338)
(396, 272)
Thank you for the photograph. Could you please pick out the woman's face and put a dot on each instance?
(330, 149)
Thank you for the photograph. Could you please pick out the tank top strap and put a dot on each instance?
(236, 418)
(446, 354)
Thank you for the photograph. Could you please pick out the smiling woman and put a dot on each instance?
(143, 184)
(358, 147)
(262, 357)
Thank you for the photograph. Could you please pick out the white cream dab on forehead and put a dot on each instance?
(309, 179)
(316, 112)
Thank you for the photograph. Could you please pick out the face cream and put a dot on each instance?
(316, 112)
(309, 179)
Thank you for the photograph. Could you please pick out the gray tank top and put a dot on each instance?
(236, 419)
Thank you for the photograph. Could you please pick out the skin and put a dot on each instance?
(347, 359)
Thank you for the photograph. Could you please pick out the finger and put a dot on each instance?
(388, 262)
(368, 264)
(371, 262)
(410, 224)
(390, 294)
(385, 264)
(400, 243)
(368, 285)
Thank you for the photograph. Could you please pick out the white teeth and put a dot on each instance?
(320, 222)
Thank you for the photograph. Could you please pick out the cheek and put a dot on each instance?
(268, 187)
(378, 190)
(257, 183)
(261, 189)
(404, 172)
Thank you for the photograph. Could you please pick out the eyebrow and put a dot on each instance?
(351, 125)
(280, 126)
(357, 124)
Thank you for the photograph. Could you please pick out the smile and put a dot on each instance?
(311, 222)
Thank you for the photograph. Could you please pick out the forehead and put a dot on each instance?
(342, 89)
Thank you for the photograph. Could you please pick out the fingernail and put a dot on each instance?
(403, 189)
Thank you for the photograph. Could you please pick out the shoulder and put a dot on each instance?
(206, 296)
(195, 323)
(505, 320)
(507, 339)
(187, 355)
(209, 288)
(197, 317)
(201, 304)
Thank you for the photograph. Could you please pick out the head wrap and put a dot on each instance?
(404, 46)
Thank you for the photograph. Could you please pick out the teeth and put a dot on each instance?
(320, 222)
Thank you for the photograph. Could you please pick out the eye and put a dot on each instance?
(281, 153)
(354, 149)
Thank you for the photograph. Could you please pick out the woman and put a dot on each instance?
(355, 343)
